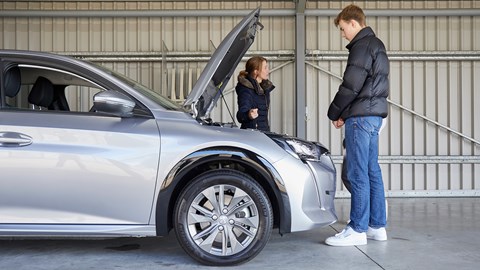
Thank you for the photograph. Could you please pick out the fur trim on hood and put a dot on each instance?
(259, 88)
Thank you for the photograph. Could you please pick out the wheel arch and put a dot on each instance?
(222, 157)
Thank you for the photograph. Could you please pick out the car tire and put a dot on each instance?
(228, 234)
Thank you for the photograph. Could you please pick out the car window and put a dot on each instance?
(80, 98)
(163, 101)
(48, 89)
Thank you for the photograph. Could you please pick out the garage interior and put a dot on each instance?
(429, 150)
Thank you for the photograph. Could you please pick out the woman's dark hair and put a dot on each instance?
(254, 63)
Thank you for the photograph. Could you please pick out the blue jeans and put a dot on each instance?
(364, 173)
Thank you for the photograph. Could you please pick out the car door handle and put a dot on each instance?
(14, 139)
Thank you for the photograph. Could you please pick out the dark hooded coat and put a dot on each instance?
(251, 95)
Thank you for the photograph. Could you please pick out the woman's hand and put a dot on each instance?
(253, 113)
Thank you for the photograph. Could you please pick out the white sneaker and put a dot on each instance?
(348, 237)
(379, 234)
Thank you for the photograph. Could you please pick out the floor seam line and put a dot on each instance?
(366, 255)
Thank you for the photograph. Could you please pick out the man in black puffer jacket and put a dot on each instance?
(253, 91)
(360, 104)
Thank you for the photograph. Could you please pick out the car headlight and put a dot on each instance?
(301, 149)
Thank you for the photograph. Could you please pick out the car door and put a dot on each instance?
(66, 167)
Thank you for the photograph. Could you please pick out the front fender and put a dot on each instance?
(222, 157)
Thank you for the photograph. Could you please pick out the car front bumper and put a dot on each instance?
(310, 186)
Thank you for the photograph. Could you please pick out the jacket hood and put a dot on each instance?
(222, 64)
(259, 88)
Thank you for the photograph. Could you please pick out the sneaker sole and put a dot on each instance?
(362, 243)
(377, 238)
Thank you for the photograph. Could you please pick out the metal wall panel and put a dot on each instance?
(443, 89)
(167, 53)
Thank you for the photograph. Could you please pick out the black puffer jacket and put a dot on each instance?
(365, 85)
(253, 95)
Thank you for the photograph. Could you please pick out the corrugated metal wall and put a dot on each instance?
(431, 74)
(435, 69)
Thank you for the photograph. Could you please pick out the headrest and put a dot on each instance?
(41, 93)
(12, 82)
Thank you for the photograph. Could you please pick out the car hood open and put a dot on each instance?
(219, 69)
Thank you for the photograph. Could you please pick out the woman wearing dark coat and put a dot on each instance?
(253, 91)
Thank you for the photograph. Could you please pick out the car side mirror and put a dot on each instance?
(113, 103)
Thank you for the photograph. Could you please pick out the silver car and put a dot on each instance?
(87, 152)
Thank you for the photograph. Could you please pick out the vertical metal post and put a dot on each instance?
(164, 74)
(301, 112)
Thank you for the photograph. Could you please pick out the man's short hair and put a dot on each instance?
(351, 12)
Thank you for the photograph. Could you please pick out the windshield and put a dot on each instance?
(163, 101)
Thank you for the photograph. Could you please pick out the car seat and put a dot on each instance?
(12, 82)
(41, 95)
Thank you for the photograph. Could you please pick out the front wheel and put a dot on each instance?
(223, 218)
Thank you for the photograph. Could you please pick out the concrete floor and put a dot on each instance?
(432, 233)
